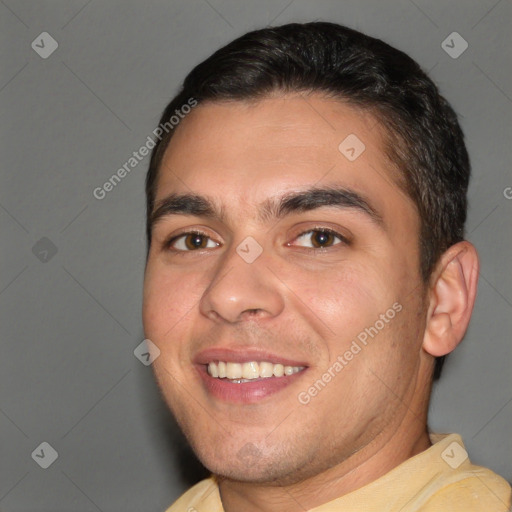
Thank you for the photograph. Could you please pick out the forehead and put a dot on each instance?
(247, 151)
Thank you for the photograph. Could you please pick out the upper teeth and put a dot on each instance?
(251, 370)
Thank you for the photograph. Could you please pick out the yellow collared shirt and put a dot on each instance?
(440, 479)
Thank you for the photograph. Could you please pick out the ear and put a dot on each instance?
(452, 294)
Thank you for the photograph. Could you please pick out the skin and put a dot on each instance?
(294, 300)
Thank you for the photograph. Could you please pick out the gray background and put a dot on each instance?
(69, 324)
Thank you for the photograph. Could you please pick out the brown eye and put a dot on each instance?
(192, 242)
(322, 239)
(319, 239)
(195, 241)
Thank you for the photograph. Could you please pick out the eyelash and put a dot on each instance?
(342, 239)
(168, 244)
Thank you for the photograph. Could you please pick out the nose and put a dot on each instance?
(240, 291)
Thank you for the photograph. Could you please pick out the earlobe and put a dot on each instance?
(452, 296)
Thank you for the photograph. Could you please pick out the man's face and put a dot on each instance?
(333, 267)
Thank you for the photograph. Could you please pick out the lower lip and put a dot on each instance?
(245, 392)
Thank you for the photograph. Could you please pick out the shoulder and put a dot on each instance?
(475, 489)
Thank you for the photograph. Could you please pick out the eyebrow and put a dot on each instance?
(271, 209)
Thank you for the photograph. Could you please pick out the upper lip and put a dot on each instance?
(243, 356)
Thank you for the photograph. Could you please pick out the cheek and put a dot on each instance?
(345, 299)
(166, 300)
(350, 302)
(157, 306)
(166, 303)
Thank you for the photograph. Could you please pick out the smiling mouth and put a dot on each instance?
(239, 373)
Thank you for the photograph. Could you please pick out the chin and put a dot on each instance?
(249, 465)
(246, 474)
